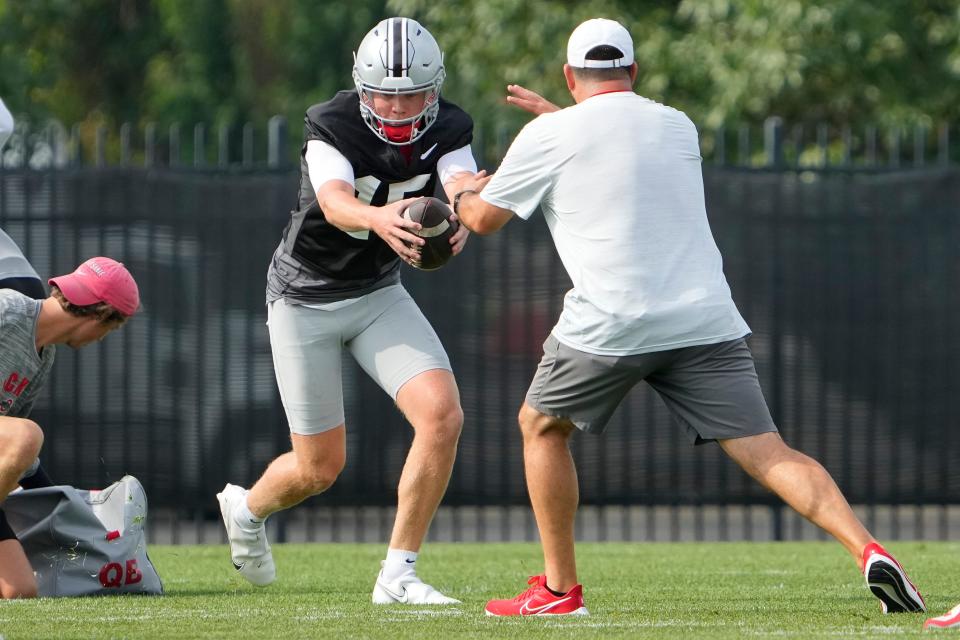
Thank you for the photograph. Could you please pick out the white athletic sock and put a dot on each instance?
(245, 518)
(399, 562)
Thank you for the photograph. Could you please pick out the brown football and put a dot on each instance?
(434, 216)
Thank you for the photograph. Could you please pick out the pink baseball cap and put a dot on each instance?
(100, 280)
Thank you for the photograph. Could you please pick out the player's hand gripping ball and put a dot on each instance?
(434, 216)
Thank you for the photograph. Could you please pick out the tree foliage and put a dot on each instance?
(74, 58)
(721, 61)
(895, 62)
(214, 61)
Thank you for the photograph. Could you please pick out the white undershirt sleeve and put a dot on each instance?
(325, 163)
(454, 162)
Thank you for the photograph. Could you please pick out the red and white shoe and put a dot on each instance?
(889, 582)
(539, 601)
(951, 619)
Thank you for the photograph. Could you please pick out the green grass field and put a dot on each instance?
(717, 590)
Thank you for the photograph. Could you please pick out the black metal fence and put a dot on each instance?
(847, 276)
(770, 144)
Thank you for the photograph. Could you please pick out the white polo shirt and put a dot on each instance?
(618, 179)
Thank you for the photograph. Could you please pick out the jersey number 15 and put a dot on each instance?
(372, 191)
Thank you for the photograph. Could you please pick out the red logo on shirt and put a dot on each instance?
(15, 384)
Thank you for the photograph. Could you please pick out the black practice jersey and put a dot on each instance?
(316, 261)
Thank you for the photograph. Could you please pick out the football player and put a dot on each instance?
(334, 284)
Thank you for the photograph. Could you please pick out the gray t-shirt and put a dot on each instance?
(23, 371)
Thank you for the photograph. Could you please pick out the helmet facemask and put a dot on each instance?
(399, 57)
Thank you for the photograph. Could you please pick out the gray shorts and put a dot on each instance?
(385, 332)
(711, 390)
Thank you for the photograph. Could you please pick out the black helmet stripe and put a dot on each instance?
(389, 47)
(396, 38)
(405, 64)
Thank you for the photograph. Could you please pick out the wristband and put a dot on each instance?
(456, 199)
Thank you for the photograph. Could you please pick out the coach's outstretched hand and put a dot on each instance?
(529, 100)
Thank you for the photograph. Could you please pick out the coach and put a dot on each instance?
(618, 179)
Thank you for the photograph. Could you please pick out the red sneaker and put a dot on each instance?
(538, 601)
(889, 582)
(946, 621)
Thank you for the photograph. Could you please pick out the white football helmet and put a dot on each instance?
(399, 56)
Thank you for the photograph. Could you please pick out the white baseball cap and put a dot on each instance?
(599, 32)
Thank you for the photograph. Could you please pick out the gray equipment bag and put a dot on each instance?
(82, 543)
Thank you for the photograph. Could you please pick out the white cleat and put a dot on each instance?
(249, 548)
(408, 589)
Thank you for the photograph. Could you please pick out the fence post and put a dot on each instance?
(248, 145)
(847, 136)
(823, 144)
(149, 144)
(919, 145)
(720, 146)
(943, 144)
(871, 145)
(76, 152)
(895, 148)
(125, 144)
(773, 141)
(773, 146)
(175, 144)
(199, 145)
(58, 140)
(100, 146)
(24, 160)
(743, 144)
(796, 145)
(223, 146)
(276, 142)
(500, 141)
(477, 146)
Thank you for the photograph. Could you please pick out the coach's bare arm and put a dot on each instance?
(477, 214)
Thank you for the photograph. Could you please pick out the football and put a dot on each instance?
(434, 216)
